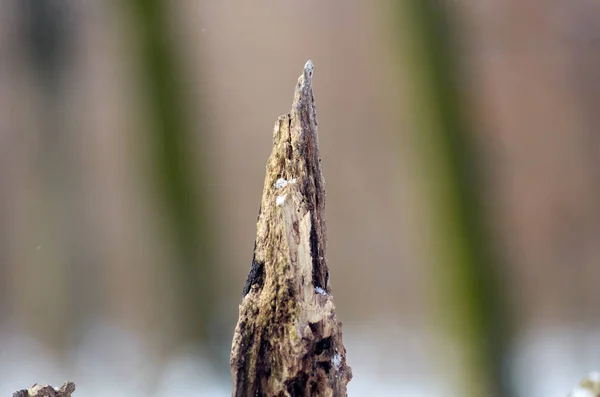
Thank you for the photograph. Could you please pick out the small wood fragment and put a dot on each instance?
(588, 387)
(287, 341)
(47, 391)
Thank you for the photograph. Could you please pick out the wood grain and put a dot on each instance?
(288, 341)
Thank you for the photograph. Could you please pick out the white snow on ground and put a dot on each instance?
(580, 392)
(386, 360)
(551, 362)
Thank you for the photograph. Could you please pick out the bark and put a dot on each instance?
(287, 341)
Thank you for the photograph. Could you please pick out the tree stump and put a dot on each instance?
(287, 341)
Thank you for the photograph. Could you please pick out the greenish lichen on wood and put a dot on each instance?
(288, 341)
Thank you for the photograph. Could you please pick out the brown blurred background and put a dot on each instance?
(133, 141)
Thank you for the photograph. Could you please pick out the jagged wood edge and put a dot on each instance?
(287, 340)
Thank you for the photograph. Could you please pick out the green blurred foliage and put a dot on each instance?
(184, 202)
(467, 274)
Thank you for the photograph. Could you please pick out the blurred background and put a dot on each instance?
(459, 142)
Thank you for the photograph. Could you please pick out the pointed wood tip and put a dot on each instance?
(303, 95)
(309, 66)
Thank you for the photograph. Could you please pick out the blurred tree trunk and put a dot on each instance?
(466, 273)
(184, 205)
(54, 210)
(584, 46)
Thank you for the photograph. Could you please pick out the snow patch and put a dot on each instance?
(281, 183)
(280, 200)
(581, 392)
(337, 361)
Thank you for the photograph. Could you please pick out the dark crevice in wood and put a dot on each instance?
(256, 275)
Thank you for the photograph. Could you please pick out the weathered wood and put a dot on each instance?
(287, 341)
(47, 391)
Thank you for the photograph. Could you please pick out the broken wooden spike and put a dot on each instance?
(287, 341)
